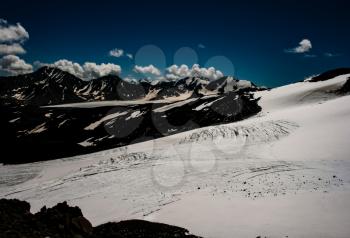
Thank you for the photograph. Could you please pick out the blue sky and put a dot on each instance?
(259, 38)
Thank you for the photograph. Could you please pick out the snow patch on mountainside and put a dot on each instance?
(173, 105)
(111, 116)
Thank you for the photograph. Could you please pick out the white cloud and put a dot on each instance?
(150, 69)
(93, 70)
(88, 70)
(329, 55)
(14, 65)
(116, 52)
(12, 33)
(68, 66)
(177, 72)
(11, 49)
(201, 46)
(304, 46)
(130, 79)
(11, 38)
(310, 56)
(120, 53)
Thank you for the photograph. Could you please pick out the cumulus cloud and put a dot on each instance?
(130, 79)
(150, 69)
(13, 65)
(88, 70)
(12, 33)
(11, 38)
(11, 49)
(177, 72)
(69, 66)
(116, 52)
(304, 46)
(120, 53)
(93, 70)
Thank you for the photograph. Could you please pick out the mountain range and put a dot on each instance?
(49, 86)
(51, 113)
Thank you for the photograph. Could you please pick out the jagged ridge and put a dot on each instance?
(48, 86)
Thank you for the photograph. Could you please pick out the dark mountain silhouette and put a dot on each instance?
(330, 74)
(35, 132)
(45, 86)
(49, 86)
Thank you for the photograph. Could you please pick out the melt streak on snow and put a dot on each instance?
(284, 172)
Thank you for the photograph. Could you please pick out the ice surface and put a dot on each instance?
(284, 172)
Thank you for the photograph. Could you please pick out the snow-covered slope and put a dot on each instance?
(294, 95)
(284, 172)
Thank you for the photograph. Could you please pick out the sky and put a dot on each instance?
(271, 43)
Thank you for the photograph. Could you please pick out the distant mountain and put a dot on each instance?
(330, 74)
(110, 87)
(165, 107)
(49, 86)
(45, 86)
(81, 121)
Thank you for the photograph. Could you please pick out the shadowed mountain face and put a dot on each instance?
(34, 131)
(346, 87)
(43, 87)
(49, 86)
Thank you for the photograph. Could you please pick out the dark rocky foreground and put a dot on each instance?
(63, 221)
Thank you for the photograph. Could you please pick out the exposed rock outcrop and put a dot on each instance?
(63, 221)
